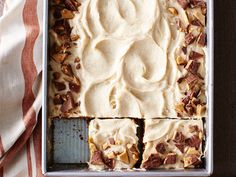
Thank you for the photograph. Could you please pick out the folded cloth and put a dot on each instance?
(20, 92)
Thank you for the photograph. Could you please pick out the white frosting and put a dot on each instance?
(122, 130)
(159, 131)
(128, 50)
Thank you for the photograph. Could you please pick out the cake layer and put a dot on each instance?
(112, 144)
(174, 144)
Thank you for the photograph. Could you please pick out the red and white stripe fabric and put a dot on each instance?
(20, 91)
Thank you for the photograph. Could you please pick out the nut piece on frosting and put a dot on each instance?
(113, 144)
(172, 144)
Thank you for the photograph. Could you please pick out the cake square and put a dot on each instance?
(113, 144)
(172, 144)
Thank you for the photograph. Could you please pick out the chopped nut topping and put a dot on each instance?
(59, 86)
(69, 103)
(183, 3)
(170, 158)
(70, 4)
(74, 37)
(184, 49)
(195, 55)
(78, 66)
(161, 148)
(67, 14)
(180, 60)
(193, 128)
(194, 141)
(97, 158)
(202, 39)
(197, 3)
(189, 39)
(57, 100)
(192, 66)
(190, 109)
(191, 80)
(56, 75)
(173, 11)
(123, 157)
(59, 57)
(179, 137)
(153, 161)
(180, 147)
(179, 108)
(196, 22)
(67, 70)
(62, 27)
(201, 109)
(57, 13)
(191, 160)
(74, 87)
(57, 1)
(192, 150)
(110, 163)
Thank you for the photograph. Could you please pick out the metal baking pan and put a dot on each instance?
(68, 137)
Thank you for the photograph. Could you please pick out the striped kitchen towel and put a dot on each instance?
(20, 91)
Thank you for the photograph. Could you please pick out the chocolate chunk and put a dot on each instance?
(190, 109)
(78, 66)
(59, 86)
(195, 160)
(185, 100)
(180, 79)
(189, 38)
(62, 27)
(74, 87)
(193, 128)
(67, 70)
(190, 95)
(56, 75)
(170, 158)
(194, 141)
(202, 39)
(197, 3)
(180, 147)
(183, 3)
(195, 55)
(191, 160)
(57, 100)
(196, 22)
(57, 13)
(70, 5)
(192, 66)
(112, 141)
(97, 158)
(191, 79)
(68, 104)
(132, 148)
(110, 163)
(153, 161)
(161, 148)
(179, 137)
(184, 49)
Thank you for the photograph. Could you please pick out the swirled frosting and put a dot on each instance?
(127, 50)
